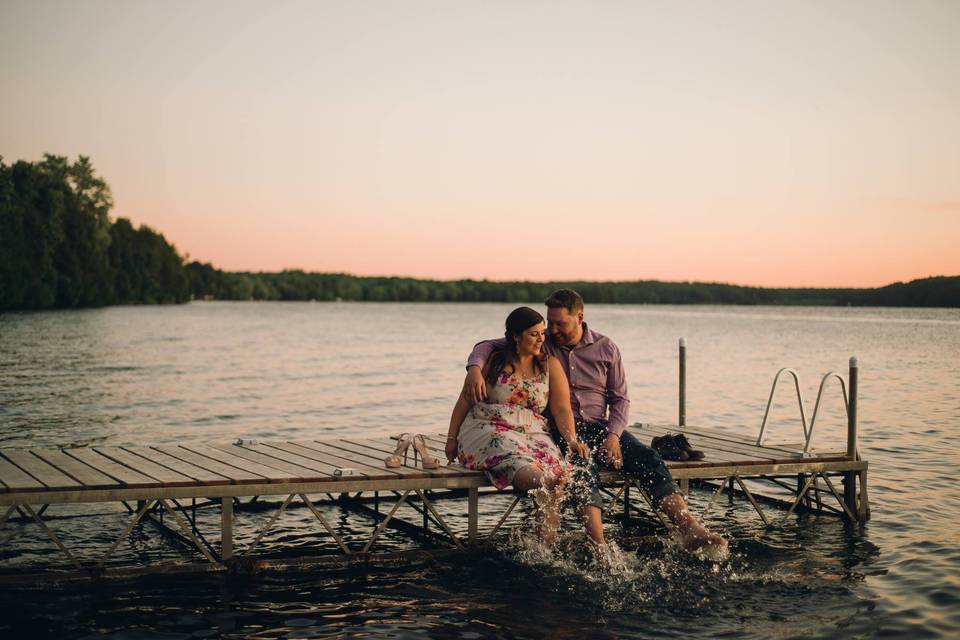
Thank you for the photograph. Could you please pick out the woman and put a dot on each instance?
(506, 437)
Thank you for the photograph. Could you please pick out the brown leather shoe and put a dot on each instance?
(668, 448)
(682, 443)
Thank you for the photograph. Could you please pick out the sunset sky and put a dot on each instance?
(763, 143)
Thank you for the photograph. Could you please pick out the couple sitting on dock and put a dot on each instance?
(499, 425)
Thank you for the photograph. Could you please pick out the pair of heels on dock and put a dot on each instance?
(419, 444)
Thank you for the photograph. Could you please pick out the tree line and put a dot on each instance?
(214, 284)
(59, 249)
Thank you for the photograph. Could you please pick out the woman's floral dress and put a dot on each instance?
(508, 431)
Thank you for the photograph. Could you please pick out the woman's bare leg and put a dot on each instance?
(593, 522)
(547, 490)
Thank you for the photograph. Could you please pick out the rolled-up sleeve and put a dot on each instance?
(617, 397)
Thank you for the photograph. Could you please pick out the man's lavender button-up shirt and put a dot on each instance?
(595, 372)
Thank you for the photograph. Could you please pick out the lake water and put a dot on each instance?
(219, 371)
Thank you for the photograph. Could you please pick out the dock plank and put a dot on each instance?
(234, 475)
(271, 474)
(51, 477)
(721, 452)
(363, 455)
(701, 438)
(285, 453)
(364, 468)
(730, 444)
(16, 479)
(140, 458)
(294, 460)
(79, 471)
(125, 475)
(295, 471)
(436, 447)
(715, 434)
(743, 450)
(382, 447)
(199, 474)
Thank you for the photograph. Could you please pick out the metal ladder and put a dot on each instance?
(807, 430)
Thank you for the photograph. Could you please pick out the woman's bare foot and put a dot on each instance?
(547, 491)
(548, 505)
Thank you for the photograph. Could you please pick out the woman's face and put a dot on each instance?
(530, 341)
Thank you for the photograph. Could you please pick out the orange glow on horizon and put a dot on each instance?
(777, 146)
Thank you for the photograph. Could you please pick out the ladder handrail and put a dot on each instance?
(816, 407)
(766, 414)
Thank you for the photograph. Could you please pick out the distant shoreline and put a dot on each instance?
(213, 284)
(61, 250)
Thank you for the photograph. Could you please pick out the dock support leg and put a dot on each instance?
(863, 512)
(226, 528)
(850, 478)
(183, 524)
(427, 505)
(850, 514)
(52, 536)
(753, 501)
(713, 498)
(473, 502)
(682, 387)
(685, 486)
(423, 507)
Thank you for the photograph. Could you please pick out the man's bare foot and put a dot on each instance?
(704, 544)
(694, 537)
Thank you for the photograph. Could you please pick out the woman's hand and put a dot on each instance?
(579, 448)
(451, 449)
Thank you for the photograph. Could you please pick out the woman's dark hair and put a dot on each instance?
(519, 320)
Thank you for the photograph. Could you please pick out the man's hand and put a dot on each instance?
(610, 450)
(474, 386)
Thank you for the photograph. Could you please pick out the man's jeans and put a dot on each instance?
(640, 462)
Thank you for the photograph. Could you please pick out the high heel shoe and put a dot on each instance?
(427, 460)
(403, 443)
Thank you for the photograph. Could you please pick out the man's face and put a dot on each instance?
(565, 328)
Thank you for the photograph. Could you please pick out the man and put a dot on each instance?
(598, 394)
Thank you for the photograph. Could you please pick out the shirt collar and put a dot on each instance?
(588, 336)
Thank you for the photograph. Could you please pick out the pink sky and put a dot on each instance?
(776, 144)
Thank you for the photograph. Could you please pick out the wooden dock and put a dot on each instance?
(164, 477)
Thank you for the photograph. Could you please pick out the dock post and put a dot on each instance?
(850, 478)
(226, 528)
(473, 501)
(682, 413)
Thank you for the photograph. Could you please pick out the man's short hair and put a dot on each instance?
(567, 299)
